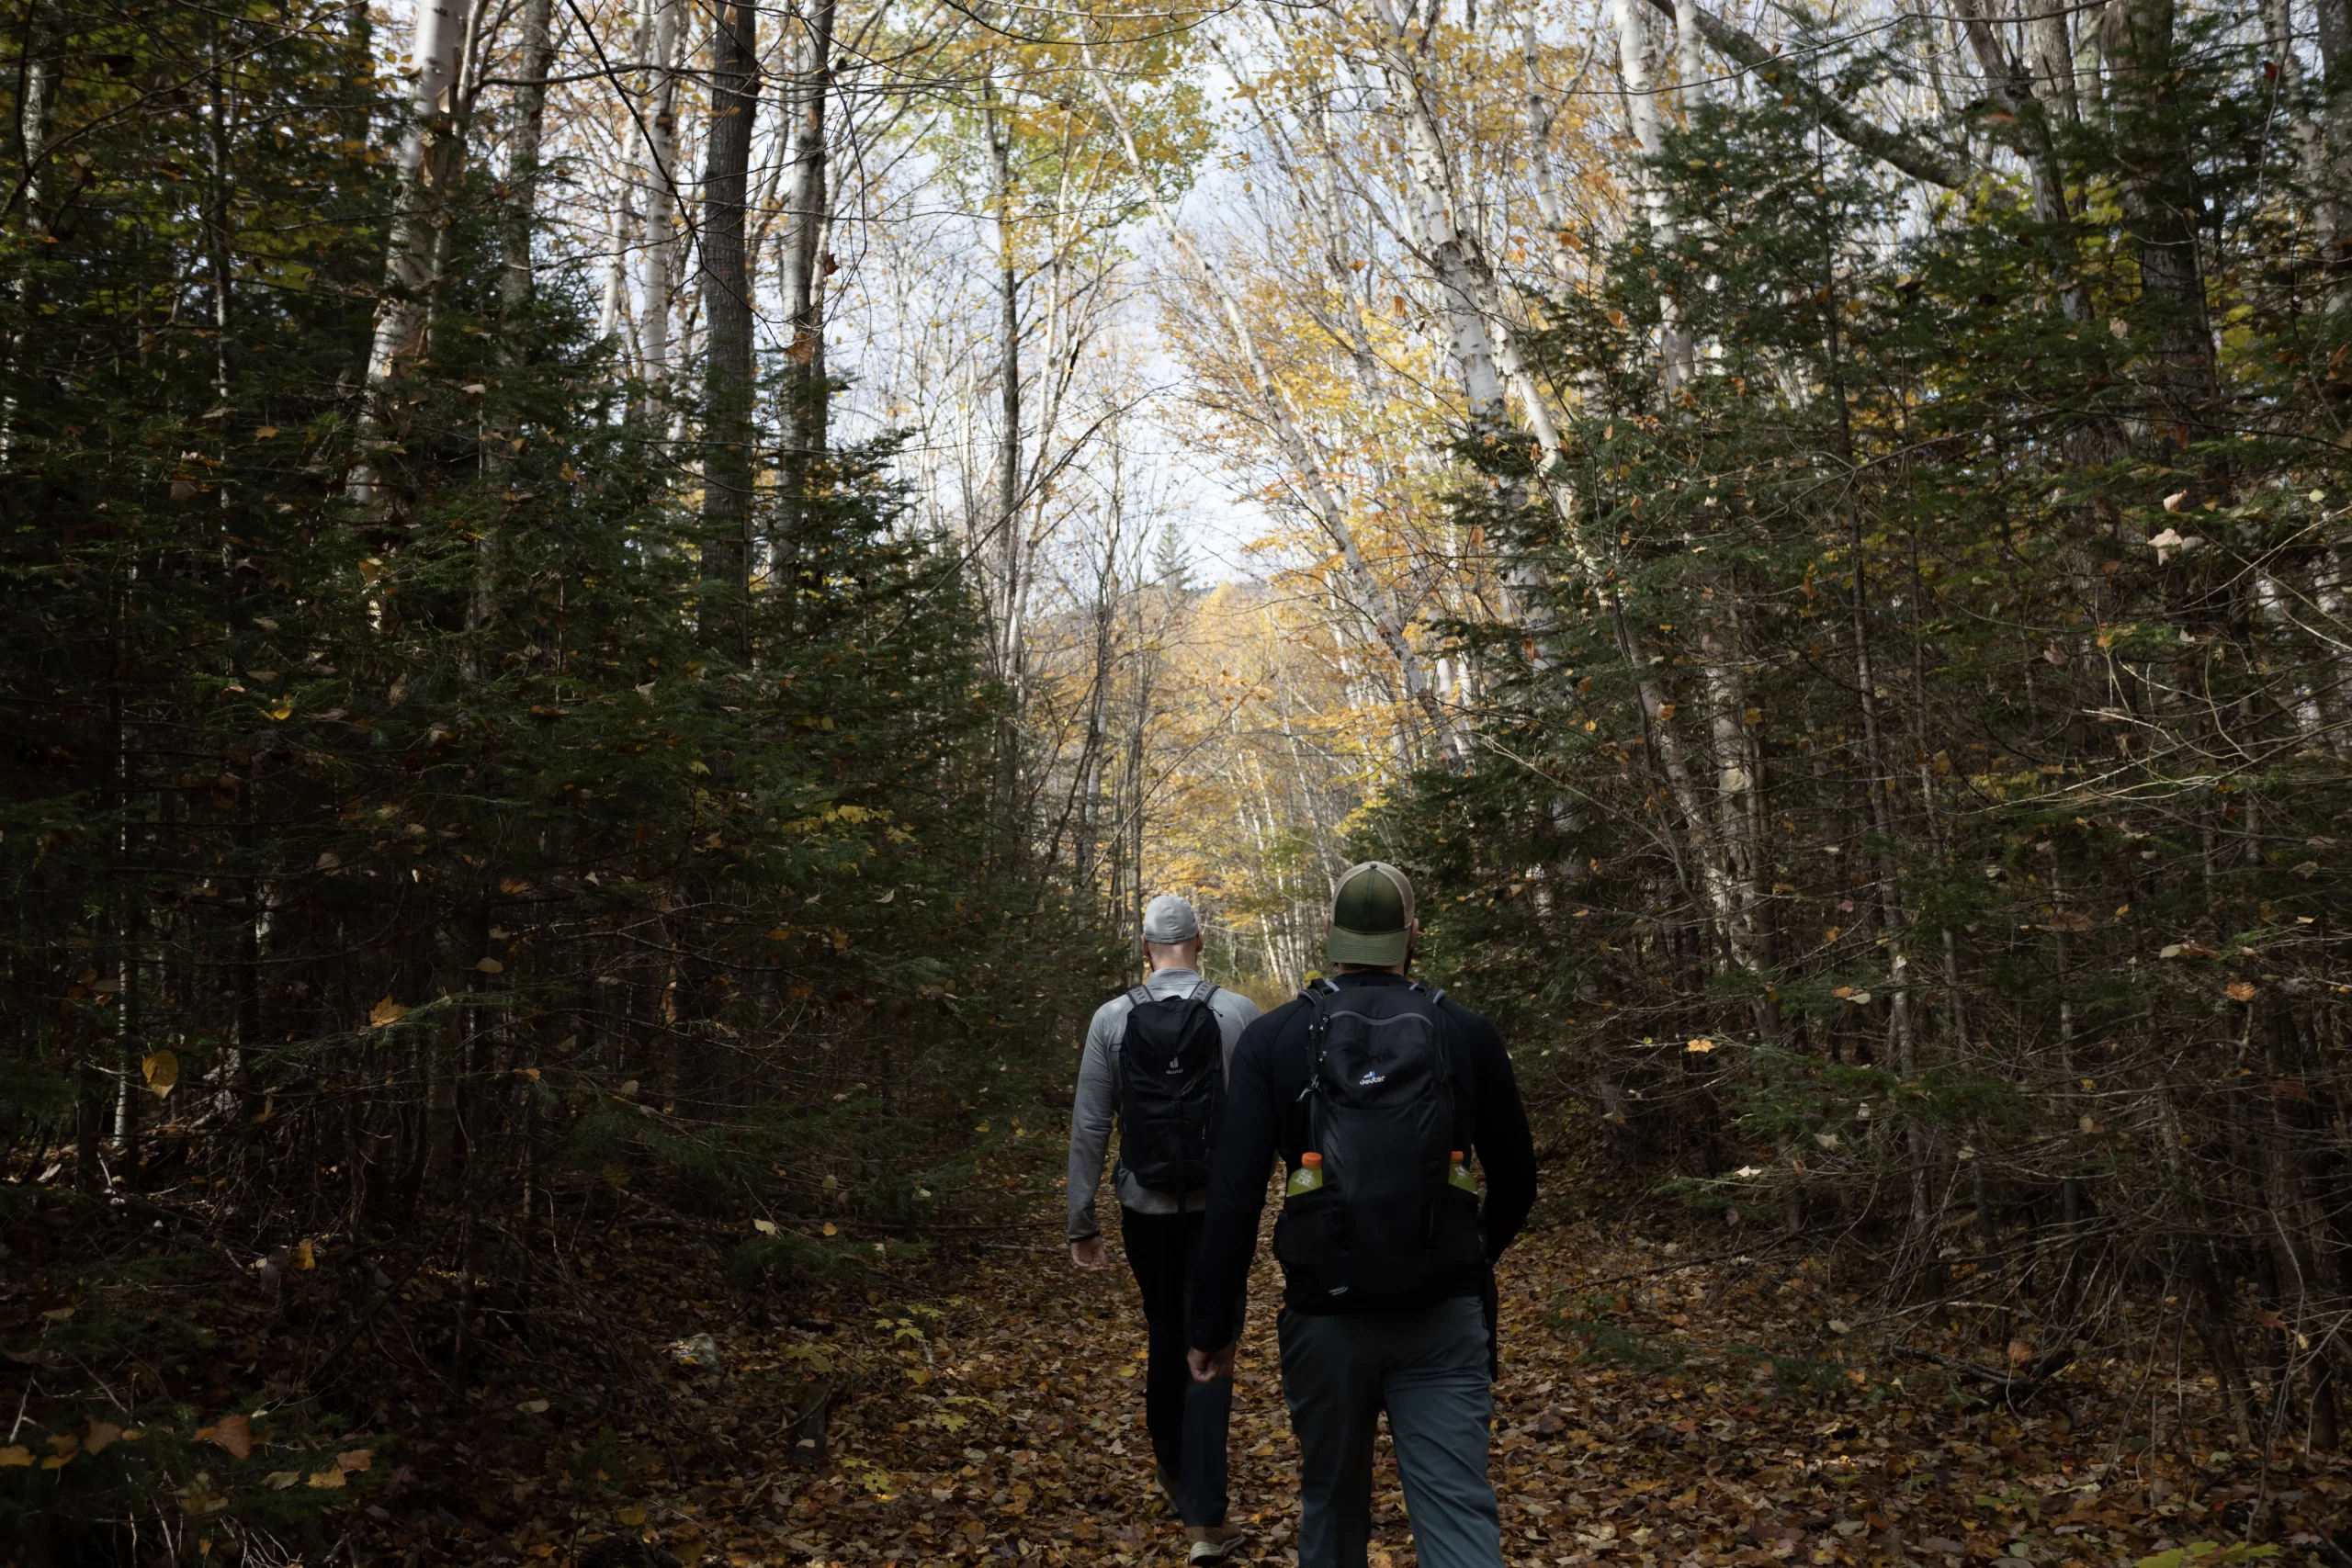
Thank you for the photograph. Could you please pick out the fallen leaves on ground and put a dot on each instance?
(1654, 1409)
(1665, 1403)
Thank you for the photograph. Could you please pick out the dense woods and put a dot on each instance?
(612, 609)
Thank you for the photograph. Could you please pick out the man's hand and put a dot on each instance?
(1089, 1256)
(1210, 1365)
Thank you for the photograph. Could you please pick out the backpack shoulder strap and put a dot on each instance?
(1202, 992)
(1140, 997)
(1317, 993)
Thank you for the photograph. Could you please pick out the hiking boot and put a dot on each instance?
(1214, 1543)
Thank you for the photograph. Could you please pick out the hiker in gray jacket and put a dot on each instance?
(1181, 1029)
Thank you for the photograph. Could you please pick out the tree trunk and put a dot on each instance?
(518, 200)
(622, 236)
(727, 306)
(2010, 85)
(800, 262)
(518, 216)
(2159, 210)
(1677, 356)
(431, 155)
(2335, 30)
(661, 211)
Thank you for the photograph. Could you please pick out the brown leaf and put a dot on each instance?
(99, 1435)
(2240, 990)
(355, 1458)
(234, 1433)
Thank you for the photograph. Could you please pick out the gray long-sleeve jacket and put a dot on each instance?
(1096, 1109)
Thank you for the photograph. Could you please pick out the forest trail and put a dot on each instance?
(1656, 1407)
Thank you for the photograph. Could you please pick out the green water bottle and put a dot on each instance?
(1460, 1176)
(1307, 1177)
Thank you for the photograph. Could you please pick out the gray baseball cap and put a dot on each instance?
(1170, 919)
(1372, 915)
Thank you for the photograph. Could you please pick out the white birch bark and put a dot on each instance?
(430, 155)
(634, 179)
(1675, 354)
(660, 278)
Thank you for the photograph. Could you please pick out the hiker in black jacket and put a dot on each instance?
(1359, 1086)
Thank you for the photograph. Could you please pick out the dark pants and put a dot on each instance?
(1428, 1369)
(1187, 1419)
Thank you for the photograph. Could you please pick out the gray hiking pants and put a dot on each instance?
(1428, 1369)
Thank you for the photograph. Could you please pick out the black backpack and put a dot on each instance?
(1381, 1111)
(1171, 1089)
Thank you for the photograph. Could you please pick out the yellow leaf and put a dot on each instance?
(282, 711)
(631, 1516)
(385, 1012)
(490, 966)
(265, 432)
(830, 1228)
(16, 1456)
(765, 1227)
(1700, 1045)
(328, 1480)
(162, 1070)
(101, 1436)
(304, 1256)
(614, 1176)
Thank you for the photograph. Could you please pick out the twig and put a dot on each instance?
(1746, 1255)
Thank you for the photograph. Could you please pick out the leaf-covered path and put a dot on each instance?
(1657, 1407)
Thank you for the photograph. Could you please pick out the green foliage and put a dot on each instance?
(372, 854)
(1932, 792)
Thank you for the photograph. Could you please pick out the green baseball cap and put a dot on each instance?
(1372, 915)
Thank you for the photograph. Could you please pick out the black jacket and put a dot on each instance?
(1263, 1117)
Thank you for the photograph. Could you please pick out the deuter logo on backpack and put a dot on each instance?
(1384, 1212)
(1171, 1089)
